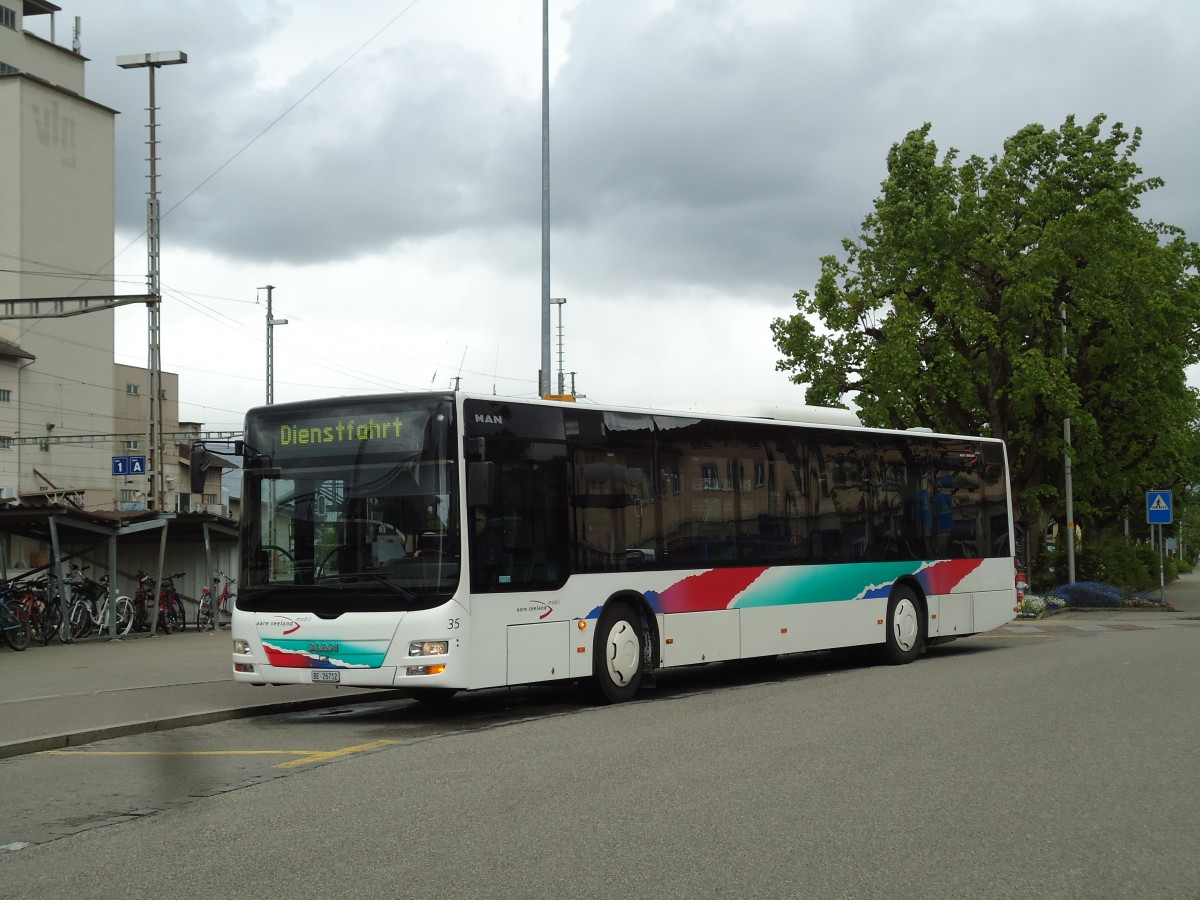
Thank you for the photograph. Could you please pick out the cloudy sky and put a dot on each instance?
(379, 162)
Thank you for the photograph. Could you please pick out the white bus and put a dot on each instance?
(440, 542)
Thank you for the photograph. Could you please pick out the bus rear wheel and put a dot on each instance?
(905, 627)
(619, 654)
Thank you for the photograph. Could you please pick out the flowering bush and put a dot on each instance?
(1032, 606)
(1093, 594)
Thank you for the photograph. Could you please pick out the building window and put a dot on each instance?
(128, 495)
(5, 395)
(8, 17)
(131, 445)
(211, 499)
(5, 442)
(132, 389)
(6, 69)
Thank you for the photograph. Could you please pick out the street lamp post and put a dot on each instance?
(150, 62)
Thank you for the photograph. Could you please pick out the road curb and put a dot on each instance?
(187, 720)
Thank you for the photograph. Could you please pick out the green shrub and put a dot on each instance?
(1107, 559)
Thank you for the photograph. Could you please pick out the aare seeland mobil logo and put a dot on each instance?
(285, 624)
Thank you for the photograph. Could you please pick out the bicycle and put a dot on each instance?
(141, 620)
(30, 602)
(205, 618)
(170, 608)
(13, 625)
(52, 617)
(90, 606)
(170, 605)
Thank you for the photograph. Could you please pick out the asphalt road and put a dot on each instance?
(1023, 765)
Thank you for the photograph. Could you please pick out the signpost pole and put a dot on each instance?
(1162, 566)
(1160, 511)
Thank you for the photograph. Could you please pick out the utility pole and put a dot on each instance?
(544, 371)
(1067, 467)
(271, 323)
(150, 62)
(560, 302)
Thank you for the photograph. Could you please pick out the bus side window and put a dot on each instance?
(519, 540)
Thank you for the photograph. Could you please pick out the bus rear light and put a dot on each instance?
(581, 649)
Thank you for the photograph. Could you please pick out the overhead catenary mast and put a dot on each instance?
(156, 496)
(544, 370)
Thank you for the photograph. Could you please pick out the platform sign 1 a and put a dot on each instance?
(129, 465)
(1159, 510)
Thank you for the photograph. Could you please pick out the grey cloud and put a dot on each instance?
(692, 143)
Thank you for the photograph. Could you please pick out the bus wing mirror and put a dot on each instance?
(481, 483)
(198, 467)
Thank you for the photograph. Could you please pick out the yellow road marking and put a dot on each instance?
(176, 752)
(304, 757)
(323, 756)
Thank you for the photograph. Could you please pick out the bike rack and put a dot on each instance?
(30, 521)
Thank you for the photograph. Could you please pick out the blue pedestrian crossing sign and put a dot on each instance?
(129, 465)
(1158, 508)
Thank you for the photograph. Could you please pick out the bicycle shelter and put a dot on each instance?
(63, 525)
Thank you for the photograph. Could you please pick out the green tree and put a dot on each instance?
(949, 311)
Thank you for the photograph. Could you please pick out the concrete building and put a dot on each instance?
(56, 240)
(66, 409)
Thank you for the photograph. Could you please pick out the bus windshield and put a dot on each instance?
(350, 507)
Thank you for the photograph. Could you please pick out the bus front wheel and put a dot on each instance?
(905, 627)
(619, 654)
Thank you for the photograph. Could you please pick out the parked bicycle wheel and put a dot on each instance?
(16, 629)
(125, 615)
(51, 622)
(80, 617)
(204, 614)
(176, 605)
(166, 618)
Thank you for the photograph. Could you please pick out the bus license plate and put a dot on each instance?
(326, 676)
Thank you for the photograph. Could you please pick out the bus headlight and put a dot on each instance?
(240, 647)
(428, 648)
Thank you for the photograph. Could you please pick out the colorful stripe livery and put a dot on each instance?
(293, 654)
(787, 585)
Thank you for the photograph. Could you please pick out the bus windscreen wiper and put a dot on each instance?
(355, 577)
